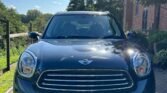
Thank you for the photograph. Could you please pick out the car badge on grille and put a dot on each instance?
(85, 61)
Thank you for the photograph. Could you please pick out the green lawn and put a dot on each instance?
(6, 80)
(14, 56)
(3, 62)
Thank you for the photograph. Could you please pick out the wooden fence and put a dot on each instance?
(4, 38)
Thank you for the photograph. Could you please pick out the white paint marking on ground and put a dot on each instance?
(10, 90)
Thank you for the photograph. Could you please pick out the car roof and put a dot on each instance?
(82, 12)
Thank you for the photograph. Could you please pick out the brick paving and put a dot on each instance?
(161, 80)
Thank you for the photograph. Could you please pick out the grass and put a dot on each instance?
(14, 56)
(6, 80)
(3, 63)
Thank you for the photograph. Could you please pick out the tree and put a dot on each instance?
(20, 22)
(40, 23)
(113, 6)
(2, 10)
(14, 18)
(24, 18)
(2, 15)
(76, 5)
(37, 20)
(31, 15)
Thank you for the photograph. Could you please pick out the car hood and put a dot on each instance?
(71, 54)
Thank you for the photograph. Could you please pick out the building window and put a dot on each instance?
(144, 21)
(137, 7)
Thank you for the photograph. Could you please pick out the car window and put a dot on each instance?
(82, 26)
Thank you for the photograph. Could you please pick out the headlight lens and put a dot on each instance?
(142, 64)
(27, 64)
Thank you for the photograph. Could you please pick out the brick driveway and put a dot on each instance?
(161, 80)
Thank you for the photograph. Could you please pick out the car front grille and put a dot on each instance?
(85, 80)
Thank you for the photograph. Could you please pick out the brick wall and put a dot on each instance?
(163, 18)
(151, 16)
(137, 18)
(128, 13)
(133, 21)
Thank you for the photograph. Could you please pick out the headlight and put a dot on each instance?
(142, 64)
(27, 64)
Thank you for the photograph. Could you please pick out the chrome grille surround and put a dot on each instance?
(85, 80)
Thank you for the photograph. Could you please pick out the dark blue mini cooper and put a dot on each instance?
(84, 52)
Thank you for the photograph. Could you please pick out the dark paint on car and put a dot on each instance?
(80, 60)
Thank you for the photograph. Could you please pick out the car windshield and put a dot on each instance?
(83, 27)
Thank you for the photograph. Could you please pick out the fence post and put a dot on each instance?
(30, 28)
(8, 45)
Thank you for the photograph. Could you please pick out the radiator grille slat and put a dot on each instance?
(107, 80)
(86, 80)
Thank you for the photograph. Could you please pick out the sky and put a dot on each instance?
(45, 6)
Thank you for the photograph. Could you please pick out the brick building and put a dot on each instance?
(138, 17)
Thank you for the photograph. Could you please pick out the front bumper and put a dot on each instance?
(26, 86)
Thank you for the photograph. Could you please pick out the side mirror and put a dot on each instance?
(34, 35)
(131, 35)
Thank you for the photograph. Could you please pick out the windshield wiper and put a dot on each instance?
(73, 37)
(111, 37)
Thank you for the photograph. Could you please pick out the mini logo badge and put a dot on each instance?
(85, 61)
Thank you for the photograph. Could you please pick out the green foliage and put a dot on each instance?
(76, 5)
(161, 59)
(153, 2)
(40, 22)
(31, 15)
(141, 39)
(6, 80)
(162, 45)
(15, 21)
(17, 46)
(20, 22)
(14, 18)
(37, 19)
(157, 41)
(1, 29)
(113, 6)
(13, 57)
(2, 6)
(157, 36)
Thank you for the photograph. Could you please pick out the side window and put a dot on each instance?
(116, 28)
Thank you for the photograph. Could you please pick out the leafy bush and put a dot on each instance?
(142, 39)
(160, 59)
(162, 45)
(157, 41)
(139, 38)
(157, 36)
